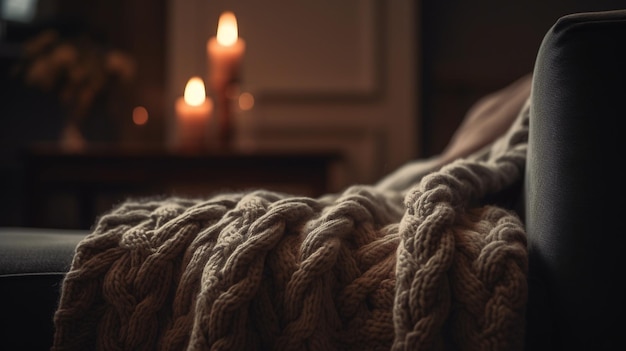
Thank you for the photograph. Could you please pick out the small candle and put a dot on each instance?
(193, 112)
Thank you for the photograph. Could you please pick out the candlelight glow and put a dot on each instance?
(246, 101)
(140, 115)
(195, 93)
(227, 29)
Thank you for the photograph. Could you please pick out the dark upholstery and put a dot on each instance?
(575, 197)
(32, 265)
(573, 205)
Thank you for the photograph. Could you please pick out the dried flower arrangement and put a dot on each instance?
(78, 70)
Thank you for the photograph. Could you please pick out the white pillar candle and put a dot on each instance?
(225, 52)
(193, 112)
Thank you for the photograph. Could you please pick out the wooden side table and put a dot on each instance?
(69, 189)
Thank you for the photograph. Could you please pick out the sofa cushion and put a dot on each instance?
(34, 250)
(33, 263)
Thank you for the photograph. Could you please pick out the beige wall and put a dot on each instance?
(326, 75)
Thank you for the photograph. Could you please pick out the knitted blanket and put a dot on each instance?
(437, 266)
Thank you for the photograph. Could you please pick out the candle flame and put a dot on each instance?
(227, 32)
(195, 93)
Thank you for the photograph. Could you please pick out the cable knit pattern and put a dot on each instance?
(463, 265)
(435, 267)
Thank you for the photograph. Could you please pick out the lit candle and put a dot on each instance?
(225, 52)
(193, 112)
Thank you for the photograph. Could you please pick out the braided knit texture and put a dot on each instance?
(433, 268)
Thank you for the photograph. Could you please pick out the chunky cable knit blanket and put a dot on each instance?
(437, 266)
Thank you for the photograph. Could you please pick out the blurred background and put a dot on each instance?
(372, 83)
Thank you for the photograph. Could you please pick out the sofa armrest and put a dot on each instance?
(574, 184)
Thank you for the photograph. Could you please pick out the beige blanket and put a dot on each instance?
(439, 265)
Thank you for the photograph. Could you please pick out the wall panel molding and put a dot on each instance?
(325, 74)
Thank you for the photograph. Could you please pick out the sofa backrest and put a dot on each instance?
(574, 185)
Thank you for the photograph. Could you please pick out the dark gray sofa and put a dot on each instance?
(33, 262)
(572, 203)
